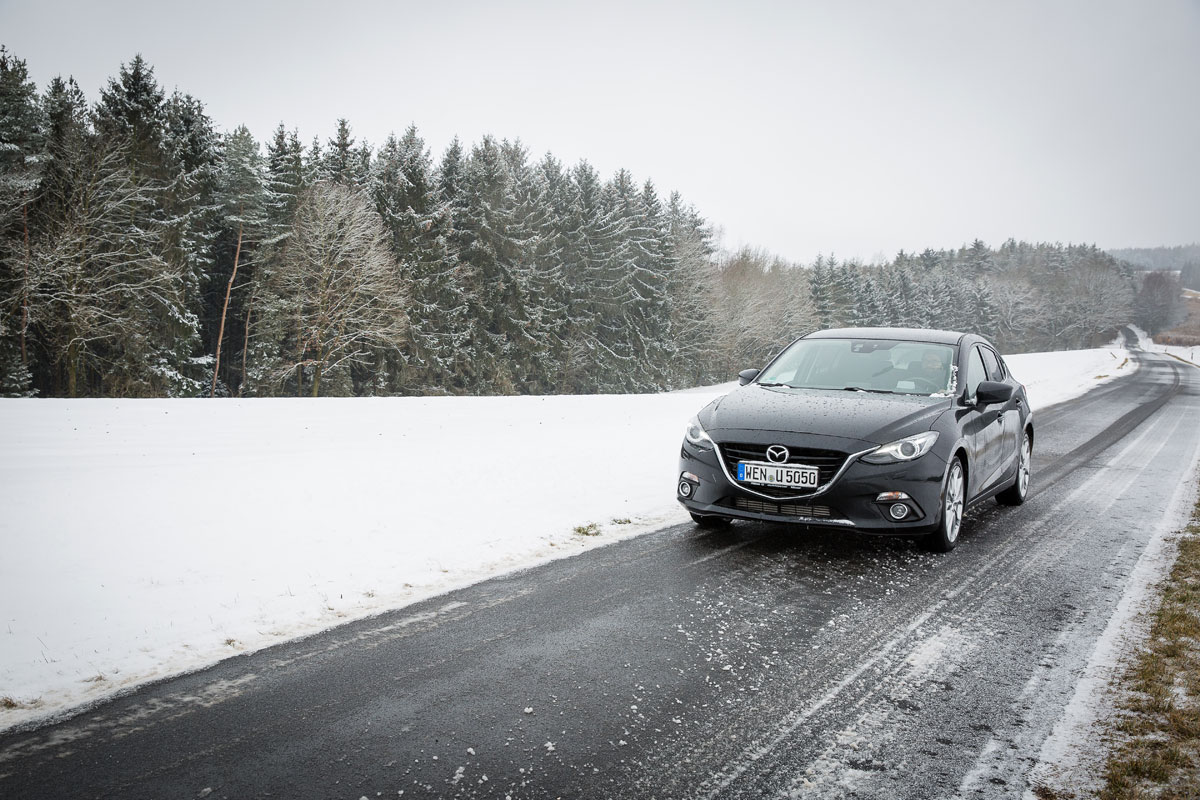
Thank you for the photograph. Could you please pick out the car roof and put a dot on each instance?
(903, 334)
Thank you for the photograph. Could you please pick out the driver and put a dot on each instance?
(932, 368)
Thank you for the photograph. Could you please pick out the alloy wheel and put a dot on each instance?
(953, 506)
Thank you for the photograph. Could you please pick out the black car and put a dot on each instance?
(880, 430)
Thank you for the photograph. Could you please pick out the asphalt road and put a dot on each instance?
(756, 662)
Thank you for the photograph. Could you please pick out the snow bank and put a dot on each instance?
(1189, 354)
(145, 538)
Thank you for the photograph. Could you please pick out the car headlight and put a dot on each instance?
(695, 434)
(905, 449)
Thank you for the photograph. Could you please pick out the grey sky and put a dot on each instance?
(802, 127)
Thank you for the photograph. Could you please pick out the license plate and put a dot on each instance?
(795, 476)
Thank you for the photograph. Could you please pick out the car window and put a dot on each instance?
(976, 373)
(991, 362)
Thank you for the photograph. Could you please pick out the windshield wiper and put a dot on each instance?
(788, 385)
(861, 389)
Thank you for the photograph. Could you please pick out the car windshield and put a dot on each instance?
(867, 365)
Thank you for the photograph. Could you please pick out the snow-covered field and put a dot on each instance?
(145, 538)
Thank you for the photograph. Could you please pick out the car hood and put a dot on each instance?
(864, 416)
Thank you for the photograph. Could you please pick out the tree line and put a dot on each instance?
(1184, 259)
(144, 253)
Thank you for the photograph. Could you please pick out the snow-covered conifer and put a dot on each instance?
(22, 162)
(243, 205)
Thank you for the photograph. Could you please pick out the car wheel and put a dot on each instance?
(710, 522)
(1016, 494)
(954, 501)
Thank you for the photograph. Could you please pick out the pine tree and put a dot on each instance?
(660, 261)
(498, 295)
(467, 353)
(285, 176)
(66, 131)
(540, 351)
(938, 310)
(551, 249)
(133, 116)
(187, 205)
(243, 204)
(132, 110)
(22, 162)
(402, 185)
(983, 313)
(691, 287)
(593, 315)
(639, 277)
(314, 160)
(978, 258)
(820, 289)
(902, 298)
(342, 162)
(929, 260)
(870, 303)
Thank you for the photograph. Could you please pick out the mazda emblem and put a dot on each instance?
(778, 454)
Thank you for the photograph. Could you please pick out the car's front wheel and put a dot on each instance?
(954, 497)
(1016, 494)
(710, 522)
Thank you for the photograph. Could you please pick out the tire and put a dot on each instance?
(954, 503)
(1015, 495)
(710, 522)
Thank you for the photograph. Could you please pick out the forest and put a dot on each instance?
(145, 253)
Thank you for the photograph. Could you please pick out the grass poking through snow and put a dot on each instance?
(1158, 750)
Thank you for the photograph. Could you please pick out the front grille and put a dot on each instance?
(787, 509)
(827, 462)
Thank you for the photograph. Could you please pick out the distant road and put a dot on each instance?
(758, 662)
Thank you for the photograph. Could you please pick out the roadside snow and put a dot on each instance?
(1188, 354)
(147, 538)
(1052, 378)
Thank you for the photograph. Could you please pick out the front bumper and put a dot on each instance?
(850, 501)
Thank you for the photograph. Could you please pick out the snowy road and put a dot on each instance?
(757, 662)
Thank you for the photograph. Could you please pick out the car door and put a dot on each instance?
(983, 426)
(1009, 440)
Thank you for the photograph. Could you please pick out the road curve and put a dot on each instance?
(761, 661)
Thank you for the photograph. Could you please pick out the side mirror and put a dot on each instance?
(991, 392)
(747, 375)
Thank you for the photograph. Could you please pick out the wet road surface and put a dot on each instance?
(755, 662)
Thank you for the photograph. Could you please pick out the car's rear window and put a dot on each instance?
(872, 365)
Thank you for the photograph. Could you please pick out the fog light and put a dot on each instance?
(898, 511)
(685, 489)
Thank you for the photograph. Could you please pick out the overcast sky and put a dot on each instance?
(858, 128)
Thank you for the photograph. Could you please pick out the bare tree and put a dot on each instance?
(1159, 302)
(337, 294)
(107, 301)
